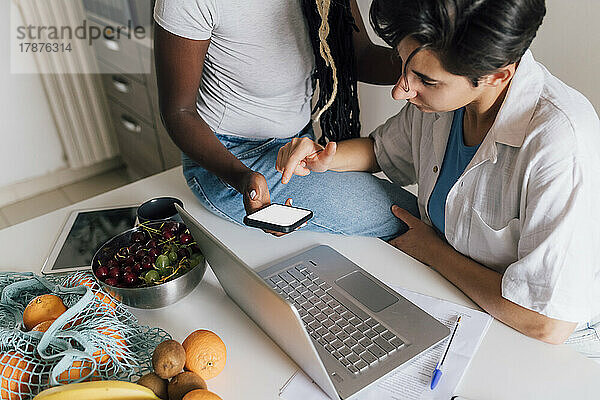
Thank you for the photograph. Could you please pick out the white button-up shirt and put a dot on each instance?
(528, 204)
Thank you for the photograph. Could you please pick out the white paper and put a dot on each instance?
(411, 381)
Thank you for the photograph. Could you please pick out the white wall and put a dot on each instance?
(568, 44)
(30, 143)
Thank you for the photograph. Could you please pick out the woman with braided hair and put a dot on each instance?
(235, 80)
(506, 159)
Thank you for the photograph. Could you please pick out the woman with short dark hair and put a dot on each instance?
(506, 157)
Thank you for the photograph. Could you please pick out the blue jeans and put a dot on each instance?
(587, 340)
(347, 203)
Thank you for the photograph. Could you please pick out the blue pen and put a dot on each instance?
(437, 372)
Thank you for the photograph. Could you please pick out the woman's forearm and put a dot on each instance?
(484, 287)
(179, 65)
(355, 155)
(191, 134)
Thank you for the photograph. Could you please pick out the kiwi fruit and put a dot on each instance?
(184, 383)
(168, 359)
(156, 384)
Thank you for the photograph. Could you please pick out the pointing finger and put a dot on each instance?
(278, 161)
(290, 167)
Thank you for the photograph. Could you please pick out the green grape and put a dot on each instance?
(151, 276)
(162, 261)
(196, 259)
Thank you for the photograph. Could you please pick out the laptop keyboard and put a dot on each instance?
(349, 334)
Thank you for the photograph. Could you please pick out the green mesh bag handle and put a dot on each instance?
(96, 338)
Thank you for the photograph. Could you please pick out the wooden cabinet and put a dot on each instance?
(144, 144)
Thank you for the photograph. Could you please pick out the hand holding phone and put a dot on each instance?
(254, 188)
(278, 218)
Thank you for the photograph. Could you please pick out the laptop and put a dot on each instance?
(342, 326)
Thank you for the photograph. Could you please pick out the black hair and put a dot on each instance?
(330, 27)
(472, 38)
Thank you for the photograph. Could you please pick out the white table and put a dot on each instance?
(508, 365)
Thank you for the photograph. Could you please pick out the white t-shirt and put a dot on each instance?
(528, 204)
(256, 79)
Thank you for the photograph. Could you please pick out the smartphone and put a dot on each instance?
(278, 218)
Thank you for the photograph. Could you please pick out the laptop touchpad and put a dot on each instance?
(366, 291)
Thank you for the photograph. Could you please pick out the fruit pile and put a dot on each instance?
(155, 254)
(19, 370)
(202, 356)
(42, 311)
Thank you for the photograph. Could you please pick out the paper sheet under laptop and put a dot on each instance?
(411, 382)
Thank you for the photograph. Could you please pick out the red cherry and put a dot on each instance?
(140, 254)
(138, 236)
(137, 268)
(112, 263)
(134, 248)
(102, 272)
(129, 278)
(183, 253)
(114, 272)
(170, 227)
(167, 235)
(152, 254)
(185, 238)
(111, 282)
(130, 260)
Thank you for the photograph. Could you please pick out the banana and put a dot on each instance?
(99, 390)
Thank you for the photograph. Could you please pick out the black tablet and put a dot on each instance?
(83, 233)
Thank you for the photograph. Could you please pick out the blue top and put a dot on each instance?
(456, 159)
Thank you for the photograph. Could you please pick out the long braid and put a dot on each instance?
(331, 24)
(325, 51)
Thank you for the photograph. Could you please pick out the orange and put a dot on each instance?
(201, 394)
(91, 283)
(15, 375)
(69, 325)
(121, 347)
(43, 326)
(43, 308)
(77, 370)
(105, 299)
(205, 353)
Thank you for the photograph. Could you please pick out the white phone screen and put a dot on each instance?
(277, 214)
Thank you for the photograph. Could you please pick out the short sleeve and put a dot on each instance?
(191, 19)
(393, 147)
(556, 273)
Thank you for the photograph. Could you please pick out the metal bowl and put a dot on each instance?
(156, 296)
